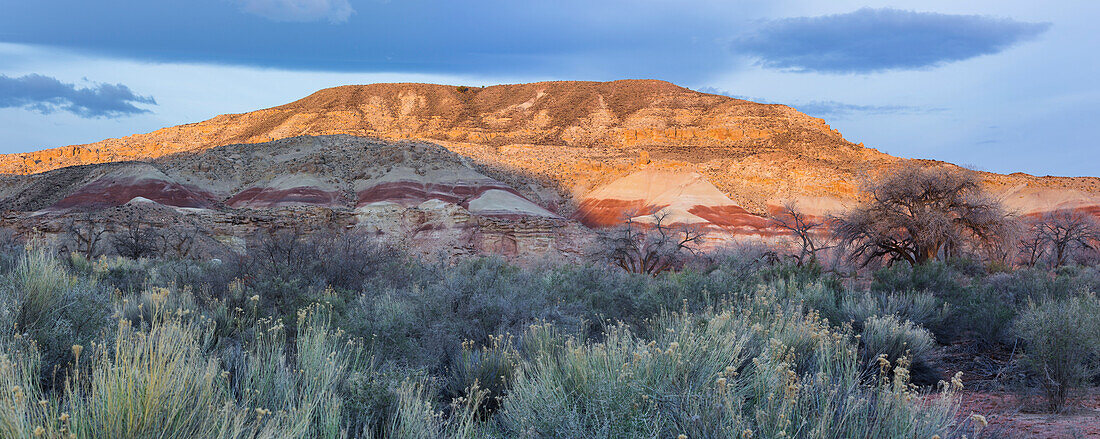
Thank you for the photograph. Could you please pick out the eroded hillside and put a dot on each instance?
(542, 150)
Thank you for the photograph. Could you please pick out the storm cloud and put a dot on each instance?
(872, 40)
(46, 95)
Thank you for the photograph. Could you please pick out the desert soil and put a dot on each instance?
(1022, 416)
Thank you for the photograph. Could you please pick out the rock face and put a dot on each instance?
(681, 198)
(412, 192)
(620, 114)
(143, 181)
(513, 159)
(287, 191)
(461, 186)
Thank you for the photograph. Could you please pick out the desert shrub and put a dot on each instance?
(163, 381)
(11, 249)
(721, 374)
(942, 279)
(208, 278)
(419, 416)
(425, 325)
(489, 369)
(597, 294)
(982, 316)
(922, 309)
(982, 307)
(891, 339)
(1062, 344)
(478, 298)
(197, 350)
(1078, 279)
(1020, 287)
(370, 394)
(804, 274)
(127, 275)
(290, 270)
(155, 304)
(47, 303)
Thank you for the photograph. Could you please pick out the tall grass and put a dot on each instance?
(171, 364)
(162, 381)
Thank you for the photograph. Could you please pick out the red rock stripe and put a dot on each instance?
(110, 192)
(610, 212)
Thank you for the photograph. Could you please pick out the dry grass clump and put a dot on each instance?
(161, 380)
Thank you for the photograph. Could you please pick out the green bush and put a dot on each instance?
(370, 394)
(769, 370)
(942, 279)
(922, 309)
(891, 339)
(45, 302)
(983, 316)
(1062, 344)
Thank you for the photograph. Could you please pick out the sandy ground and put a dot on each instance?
(1015, 416)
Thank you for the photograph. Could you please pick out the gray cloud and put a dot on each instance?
(46, 95)
(872, 40)
(335, 11)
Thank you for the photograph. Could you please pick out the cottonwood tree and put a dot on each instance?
(917, 215)
(1032, 245)
(1066, 231)
(805, 229)
(650, 248)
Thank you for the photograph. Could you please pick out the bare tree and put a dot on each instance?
(650, 248)
(1032, 244)
(1066, 231)
(135, 241)
(281, 252)
(917, 215)
(85, 234)
(805, 229)
(177, 242)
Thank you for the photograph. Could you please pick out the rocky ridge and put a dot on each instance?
(527, 153)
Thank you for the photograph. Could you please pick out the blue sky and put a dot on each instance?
(995, 85)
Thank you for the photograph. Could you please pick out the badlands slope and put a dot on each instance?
(544, 152)
(412, 191)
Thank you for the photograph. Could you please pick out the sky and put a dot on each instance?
(1001, 86)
